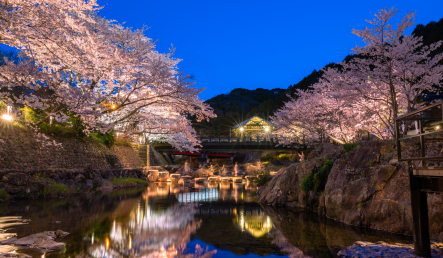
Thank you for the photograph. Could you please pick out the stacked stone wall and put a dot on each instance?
(127, 156)
(31, 183)
(20, 151)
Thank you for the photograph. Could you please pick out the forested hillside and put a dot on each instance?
(240, 104)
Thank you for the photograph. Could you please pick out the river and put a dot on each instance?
(167, 220)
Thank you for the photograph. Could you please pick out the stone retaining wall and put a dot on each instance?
(20, 151)
(31, 183)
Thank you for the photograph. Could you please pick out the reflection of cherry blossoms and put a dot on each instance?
(152, 233)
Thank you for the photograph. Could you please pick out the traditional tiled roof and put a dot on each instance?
(247, 120)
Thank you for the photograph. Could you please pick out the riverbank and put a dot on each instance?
(364, 186)
(36, 184)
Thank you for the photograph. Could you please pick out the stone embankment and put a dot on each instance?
(366, 187)
(32, 183)
(19, 151)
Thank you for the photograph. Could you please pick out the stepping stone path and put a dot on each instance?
(361, 249)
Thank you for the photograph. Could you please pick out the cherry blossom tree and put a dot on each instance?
(385, 78)
(390, 71)
(110, 76)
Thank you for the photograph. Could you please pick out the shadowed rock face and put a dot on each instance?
(366, 187)
(284, 189)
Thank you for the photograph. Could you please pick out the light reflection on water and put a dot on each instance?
(170, 220)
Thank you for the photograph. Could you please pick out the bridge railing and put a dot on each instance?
(243, 139)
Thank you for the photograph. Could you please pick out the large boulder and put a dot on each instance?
(79, 178)
(44, 240)
(284, 189)
(16, 178)
(368, 187)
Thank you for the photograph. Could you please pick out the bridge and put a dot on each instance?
(213, 148)
(233, 145)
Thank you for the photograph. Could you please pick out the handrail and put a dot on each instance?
(419, 110)
(422, 158)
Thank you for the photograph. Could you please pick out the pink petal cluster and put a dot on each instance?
(111, 76)
(386, 77)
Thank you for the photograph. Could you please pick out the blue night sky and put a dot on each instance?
(251, 44)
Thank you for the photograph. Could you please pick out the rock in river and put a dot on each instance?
(14, 255)
(44, 240)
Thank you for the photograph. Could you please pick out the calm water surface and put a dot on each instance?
(167, 220)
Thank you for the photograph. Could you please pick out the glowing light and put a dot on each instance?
(438, 127)
(241, 129)
(7, 117)
(114, 106)
(267, 129)
(107, 243)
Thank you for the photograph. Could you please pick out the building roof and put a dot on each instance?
(253, 119)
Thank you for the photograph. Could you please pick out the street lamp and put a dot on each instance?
(241, 129)
(7, 116)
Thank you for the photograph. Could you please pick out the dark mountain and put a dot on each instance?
(431, 33)
(237, 106)
(241, 104)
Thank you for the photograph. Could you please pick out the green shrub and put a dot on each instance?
(307, 183)
(128, 181)
(107, 138)
(262, 178)
(283, 157)
(349, 146)
(266, 158)
(321, 177)
(328, 162)
(55, 189)
(361, 204)
(73, 128)
(371, 163)
(3, 195)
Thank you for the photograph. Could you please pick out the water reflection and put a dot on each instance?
(170, 220)
(149, 231)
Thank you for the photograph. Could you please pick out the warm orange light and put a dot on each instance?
(107, 243)
(7, 117)
(114, 106)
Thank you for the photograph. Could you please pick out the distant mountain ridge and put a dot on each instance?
(241, 104)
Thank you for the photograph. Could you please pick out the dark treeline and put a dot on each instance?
(240, 104)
